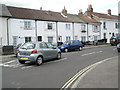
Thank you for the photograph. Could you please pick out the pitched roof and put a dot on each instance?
(105, 16)
(25, 13)
(88, 19)
(74, 18)
(4, 11)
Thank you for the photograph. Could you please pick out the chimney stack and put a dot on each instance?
(64, 11)
(90, 9)
(80, 12)
(40, 8)
(109, 11)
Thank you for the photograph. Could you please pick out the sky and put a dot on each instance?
(72, 6)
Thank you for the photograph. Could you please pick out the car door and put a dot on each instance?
(52, 50)
(44, 50)
(72, 45)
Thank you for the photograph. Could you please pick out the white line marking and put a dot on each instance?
(57, 60)
(26, 67)
(10, 62)
(114, 49)
(88, 53)
(99, 51)
(91, 53)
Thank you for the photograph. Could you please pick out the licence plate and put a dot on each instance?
(24, 57)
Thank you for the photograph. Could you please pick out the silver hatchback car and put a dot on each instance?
(38, 52)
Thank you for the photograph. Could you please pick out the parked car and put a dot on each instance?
(16, 48)
(71, 45)
(37, 52)
(118, 47)
(114, 40)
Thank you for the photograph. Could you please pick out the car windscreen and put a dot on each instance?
(28, 46)
(65, 43)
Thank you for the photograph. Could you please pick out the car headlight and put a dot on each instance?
(118, 45)
(62, 47)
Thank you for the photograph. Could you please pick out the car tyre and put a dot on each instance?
(66, 50)
(80, 48)
(39, 61)
(59, 56)
(21, 62)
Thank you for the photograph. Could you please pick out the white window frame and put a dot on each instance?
(68, 26)
(27, 25)
(49, 26)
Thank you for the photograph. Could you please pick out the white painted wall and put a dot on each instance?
(62, 31)
(16, 28)
(3, 31)
(42, 30)
(92, 33)
(110, 25)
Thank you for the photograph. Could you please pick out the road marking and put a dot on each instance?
(114, 49)
(91, 53)
(10, 61)
(75, 77)
(26, 67)
(88, 53)
(57, 60)
(99, 51)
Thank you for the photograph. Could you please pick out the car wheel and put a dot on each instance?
(59, 56)
(66, 50)
(80, 48)
(39, 61)
(21, 62)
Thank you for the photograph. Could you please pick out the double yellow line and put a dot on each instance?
(69, 83)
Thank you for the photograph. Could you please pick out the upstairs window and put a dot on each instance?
(83, 27)
(50, 25)
(96, 28)
(116, 25)
(68, 26)
(27, 25)
(104, 25)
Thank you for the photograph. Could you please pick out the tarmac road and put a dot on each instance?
(54, 73)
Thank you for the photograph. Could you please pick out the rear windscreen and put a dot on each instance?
(28, 46)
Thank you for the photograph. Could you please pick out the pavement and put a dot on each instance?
(104, 75)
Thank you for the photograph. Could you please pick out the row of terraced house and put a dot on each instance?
(19, 25)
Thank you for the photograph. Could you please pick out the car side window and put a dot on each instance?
(49, 45)
(42, 45)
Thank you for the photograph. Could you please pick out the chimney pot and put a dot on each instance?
(109, 11)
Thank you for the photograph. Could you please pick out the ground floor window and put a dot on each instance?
(39, 38)
(60, 38)
(83, 38)
(76, 37)
(68, 38)
(50, 39)
(14, 40)
(27, 39)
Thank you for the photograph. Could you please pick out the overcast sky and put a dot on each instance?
(72, 6)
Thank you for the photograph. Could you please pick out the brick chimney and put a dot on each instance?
(109, 11)
(90, 9)
(40, 8)
(80, 12)
(64, 11)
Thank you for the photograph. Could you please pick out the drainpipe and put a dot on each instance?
(7, 31)
(57, 32)
(87, 33)
(73, 29)
(100, 30)
(36, 30)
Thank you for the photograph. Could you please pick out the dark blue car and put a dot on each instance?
(71, 45)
